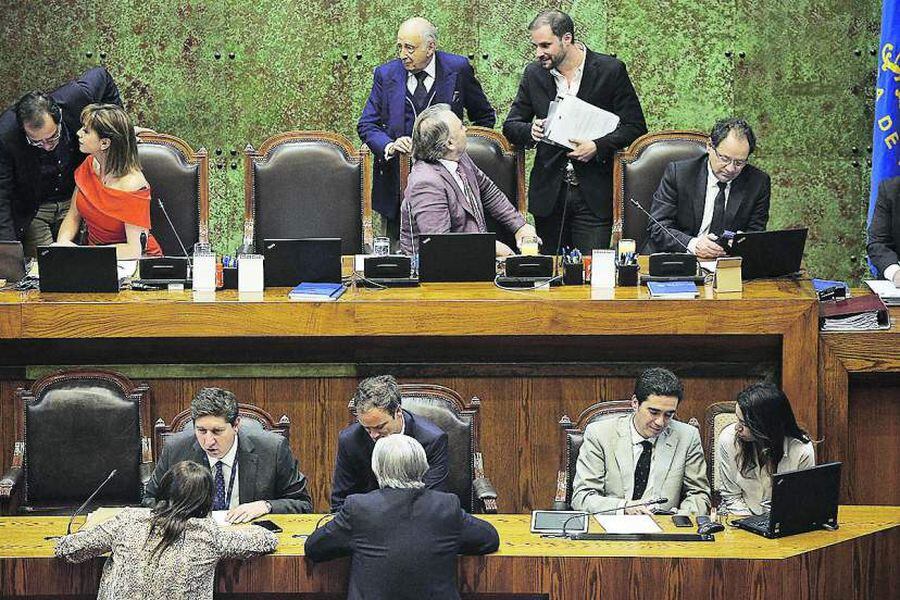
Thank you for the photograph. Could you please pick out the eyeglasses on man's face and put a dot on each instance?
(47, 141)
(738, 163)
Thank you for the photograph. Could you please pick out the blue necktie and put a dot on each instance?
(219, 489)
(420, 94)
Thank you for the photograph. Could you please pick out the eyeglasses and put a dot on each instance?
(47, 141)
(740, 163)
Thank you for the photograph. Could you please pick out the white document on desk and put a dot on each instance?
(628, 524)
(574, 119)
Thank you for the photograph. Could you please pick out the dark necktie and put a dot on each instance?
(717, 225)
(473, 204)
(420, 95)
(219, 489)
(642, 470)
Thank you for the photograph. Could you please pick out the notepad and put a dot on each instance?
(628, 524)
(673, 290)
(317, 292)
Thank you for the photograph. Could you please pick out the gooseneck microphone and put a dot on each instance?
(650, 502)
(175, 231)
(660, 225)
(86, 502)
(414, 268)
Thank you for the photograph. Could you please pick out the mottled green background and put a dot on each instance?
(801, 71)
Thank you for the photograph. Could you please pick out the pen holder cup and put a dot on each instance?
(573, 273)
(229, 278)
(627, 275)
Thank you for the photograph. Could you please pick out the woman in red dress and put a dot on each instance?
(111, 194)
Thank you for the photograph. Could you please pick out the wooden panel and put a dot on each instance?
(873, 460)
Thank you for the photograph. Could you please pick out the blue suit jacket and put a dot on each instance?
(404, 543)
(353, 467)
(383, 118)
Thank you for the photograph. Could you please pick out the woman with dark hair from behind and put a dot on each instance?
(765, 440)
(168, 552)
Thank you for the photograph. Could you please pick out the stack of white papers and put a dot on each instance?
(628, 524)
(886, 290)
(860, 322)
(574, 119)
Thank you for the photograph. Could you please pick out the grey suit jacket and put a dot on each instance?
(438, 205)
(604, 475)
(266, 469)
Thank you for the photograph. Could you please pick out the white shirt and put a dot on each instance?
(570, 88)
(453, 167)
(709, 206)
(228, 462)
(430, 70)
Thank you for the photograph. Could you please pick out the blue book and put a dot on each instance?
(317, 292)
(672, 290)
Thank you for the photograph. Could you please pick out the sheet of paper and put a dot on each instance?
(101, 515)
(219, 517)
(883, 288)
(576, 119)
(628, 524)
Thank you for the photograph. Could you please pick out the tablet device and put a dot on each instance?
(553, 521)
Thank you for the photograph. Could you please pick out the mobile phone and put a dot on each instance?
(682, 521)
(266, 524)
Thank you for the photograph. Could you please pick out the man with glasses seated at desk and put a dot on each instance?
(39, 154)
(700, 198)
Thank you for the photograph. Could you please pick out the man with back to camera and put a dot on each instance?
(39, 154)
(254, 472)
(378, 415)
(403, 538)
(421, 76)
(637, 457)
(570, 191)
(447, 192)
(884, 231)
(700, 198)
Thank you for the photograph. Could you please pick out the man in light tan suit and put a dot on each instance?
(645, 455)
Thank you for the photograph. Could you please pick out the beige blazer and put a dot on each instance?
(604, 476)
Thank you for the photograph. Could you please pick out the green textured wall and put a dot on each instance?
(801, 71)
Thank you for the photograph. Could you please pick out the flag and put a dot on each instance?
(886, 129)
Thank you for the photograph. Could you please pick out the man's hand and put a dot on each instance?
(63, 243)
(584, 150)
(896, 279)
(707, 248)
(401, 144)
(525, 231)
(638, 510)
(245, 513)
(537, 130)
(503, 250)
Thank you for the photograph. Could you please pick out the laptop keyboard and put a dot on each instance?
(759, 521)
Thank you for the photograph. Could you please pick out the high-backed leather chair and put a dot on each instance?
(719, 415)
(637, 172)
(179, 176)
(73, 428)
(308, 184)
(446, 409)
(252, 418)
(503, 163)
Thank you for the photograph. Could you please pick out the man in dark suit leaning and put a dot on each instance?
(378, 415)
(39, 154)
(570, 191)
(254, 472)
(401, 89)
(446, 192)
(403, 537)
(700, 198)
(884, 231)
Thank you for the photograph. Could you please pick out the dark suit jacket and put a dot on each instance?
(605, 84)
(19, 162)
(679, 200)
(404, 543)
(353, 466)
(438, 205)
(884, 230)
(266, 469)
(384, 117)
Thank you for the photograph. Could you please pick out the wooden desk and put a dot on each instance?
(857, 560)
(530, 357)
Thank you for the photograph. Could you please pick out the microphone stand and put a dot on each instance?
(668, 233)
(650, 502)
(86, 502)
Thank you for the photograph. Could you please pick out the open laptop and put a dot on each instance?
(307, 260)
(12, 261)
(78, 269)
(457, 257)
(801, 501)
(769, 253)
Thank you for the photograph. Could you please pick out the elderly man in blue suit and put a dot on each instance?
(402, 88)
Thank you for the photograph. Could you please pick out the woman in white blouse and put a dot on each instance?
(765, 440)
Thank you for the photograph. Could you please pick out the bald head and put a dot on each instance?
(416, 43)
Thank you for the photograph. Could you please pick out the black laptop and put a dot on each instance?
(78, 269)
(457, 257)
(801, 501)
(769, 253)
(12, 261)
(308, 260)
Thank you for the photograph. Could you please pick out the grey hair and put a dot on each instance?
(381, 392)
(429, 31)
(399, 462)
(216, 402)
(430, 134)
